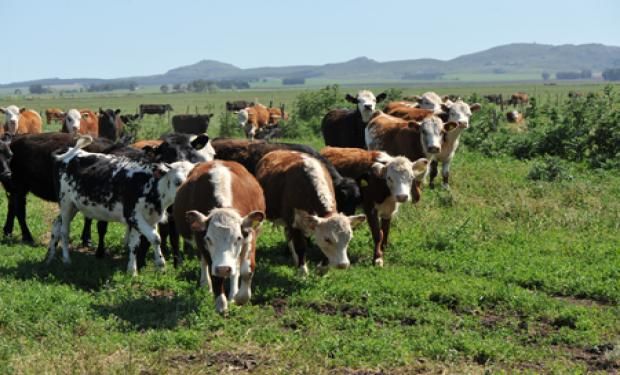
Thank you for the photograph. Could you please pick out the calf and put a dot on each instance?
(54, 114)
(21, 121)
(80, 122)
(191, 124)
(258, 117)
(385, 182)
(110, 124)
(249, 154)
(345, 128)
(299, 192)
(112, 188)
(430, 100)
(220, 208)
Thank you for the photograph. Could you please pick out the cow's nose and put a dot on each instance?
(400, 198)
(343, 266)
(223, 271)
(433, 149)
(463, 124)
(368, 106)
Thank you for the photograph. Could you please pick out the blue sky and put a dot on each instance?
(119, 38)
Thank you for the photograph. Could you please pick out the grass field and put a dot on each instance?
(500, 274)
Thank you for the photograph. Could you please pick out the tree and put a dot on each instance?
(17, 92)
(545, 76)
(611, 74)
(164, 89)
(177, 87)
(38, 89)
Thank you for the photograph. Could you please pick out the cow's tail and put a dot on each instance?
(82, 141)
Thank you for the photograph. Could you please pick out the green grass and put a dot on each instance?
(501, 273)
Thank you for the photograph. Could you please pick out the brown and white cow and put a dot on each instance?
(220, 208)
(81, 122)
(21, 121)
(430, 100)
(407, 112)
(54, 114)
(258, 117)
(385, 182)
(344, 127)
(519, 98)
(514, 117)
(300, 194)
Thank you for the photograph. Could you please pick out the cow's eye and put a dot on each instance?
(209, 241)
(328, 240)
(239, 239)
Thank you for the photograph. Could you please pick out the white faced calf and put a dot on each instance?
(366, 103)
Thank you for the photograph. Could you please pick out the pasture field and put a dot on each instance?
(500, 274)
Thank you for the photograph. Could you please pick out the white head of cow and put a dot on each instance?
(430, 100)
(226, 233)
(72, 121)
(366, 103)
(168, 178)
(12, 113)
(460, 112)
(432, 130)
(332, 234)
(399, 174)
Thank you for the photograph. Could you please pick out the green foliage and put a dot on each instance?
(229, 127)
(584, 129)
(393, 94)
(549, 168)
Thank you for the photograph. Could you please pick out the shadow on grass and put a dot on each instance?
(85, 271)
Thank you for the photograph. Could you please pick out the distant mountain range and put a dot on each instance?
(515, 58)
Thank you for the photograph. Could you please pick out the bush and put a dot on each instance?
(549, 168)
(229, 127)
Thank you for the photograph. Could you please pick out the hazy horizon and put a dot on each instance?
(113, 39)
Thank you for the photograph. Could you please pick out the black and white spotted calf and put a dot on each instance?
(114, 188)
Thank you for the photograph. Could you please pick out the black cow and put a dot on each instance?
(110, 124)
(248, 154)
(494, 98)
(238, 105)
(191, 124)
(154, 109)
(345, 128)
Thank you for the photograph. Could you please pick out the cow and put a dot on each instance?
(32, 171)
(345, 128)
(113, 188)
(54, 114)
(385, 182)
(238, 105)
(519, 98)
(494, 98)
(429, 100)
(258, 117)
(5, 161)
(80, 122)
(110, 124)
(191, 124)
(300, 194)
(21, 121)
(249, 153)
(514, 117)
(154, 109)
(220, 208)
(408, 112)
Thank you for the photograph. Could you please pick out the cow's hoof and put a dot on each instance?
(445, 186)
(302, 271)
(241, 298)
(87, 244)
(379, 262)
(66, 261)
(29, 242)
(221, 304)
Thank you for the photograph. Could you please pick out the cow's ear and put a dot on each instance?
(305, 221)
(420, 167)
(381, 97)
(252, 221)
(200, 141)
(356, 220)
(414, 125)
(117, 111)
(379, 170)
(449, 126)
(22, 110)
(445, 107)
(416, 98)
(210, 115)
(100, 110)
(475, 107)
(2, 110)
(196, 220)
(351, 99)
(149, 152)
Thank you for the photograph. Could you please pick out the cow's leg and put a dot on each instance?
(174, 243)
(297, 244)
(55, 236)
(133, 243)
(86, 234)
(377, 235)
(10, 214)
(205, 277)
(102, 229)
(164, 232)
(233, 285)
(20, 212)
(67, 213)
(385, 230)
(445, 173)
(150, 233)
(246, 271)
(141, 252)
(221, 303)
(433, 174)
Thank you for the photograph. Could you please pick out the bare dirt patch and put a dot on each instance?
(244, 362)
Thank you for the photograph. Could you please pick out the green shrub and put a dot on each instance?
(549, 168)
(229, 127)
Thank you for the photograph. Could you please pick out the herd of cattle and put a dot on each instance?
(216, 193)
